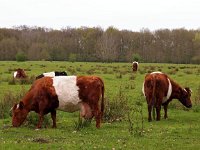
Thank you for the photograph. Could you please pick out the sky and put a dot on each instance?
(122, 14)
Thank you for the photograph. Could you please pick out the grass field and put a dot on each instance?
(131, 131)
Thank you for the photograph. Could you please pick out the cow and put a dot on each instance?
(65, 93)
(19, 74)
(52, 74)
(159, 90)
(135, 66)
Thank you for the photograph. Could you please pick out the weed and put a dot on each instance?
(116, 109)
(32, 120)
(28, 80)
(132, 77)
(80, 123)
(135, 119)
(9, 99)
(119, 76)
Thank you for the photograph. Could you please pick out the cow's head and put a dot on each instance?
(185, 95)
(63, 73)
(20, 73)
(19, 114)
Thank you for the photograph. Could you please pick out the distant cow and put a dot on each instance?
(159, 90)
(19, 73)
(135, 66)
(52, 74)
(66, 93)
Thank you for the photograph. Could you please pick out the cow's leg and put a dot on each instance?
(41, 118)
(41, 114)
(165, 110)
(97, 114)
(149, 111)
(158, 107)
(53, 116)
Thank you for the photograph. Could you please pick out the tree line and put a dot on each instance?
(97, 44)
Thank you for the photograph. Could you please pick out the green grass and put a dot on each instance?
(180, 131)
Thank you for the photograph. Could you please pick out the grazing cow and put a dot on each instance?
(19, 73)
(66, 93)
(52, 74)
(159, 90)
(135, 66)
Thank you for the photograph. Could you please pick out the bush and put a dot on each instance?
(9, 99)
(72, 57)
(32, 120)
(117, 108)
(136, 57)
(28, 80)
(20, 56)
(135, 119)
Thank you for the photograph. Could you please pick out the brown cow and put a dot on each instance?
(159, 90)
(135, 66)
(19, 73)
(66, 93)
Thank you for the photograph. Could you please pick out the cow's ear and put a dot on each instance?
(21, 105)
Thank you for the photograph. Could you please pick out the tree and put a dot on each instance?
(136, 57)
(20, 56)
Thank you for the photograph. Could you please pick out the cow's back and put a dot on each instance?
(156, 80)
(90, 87)
(68, 92)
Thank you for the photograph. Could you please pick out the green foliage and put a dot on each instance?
(117, 108)
(27, 80)
(72, 57)
(9, 99)
(135, 119)
(136, 57)
(21, 56)
(32, 120)
(80, 123)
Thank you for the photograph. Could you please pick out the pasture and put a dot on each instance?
(125, 123)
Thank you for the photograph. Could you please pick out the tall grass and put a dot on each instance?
(7, 102)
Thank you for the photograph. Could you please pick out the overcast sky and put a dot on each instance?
(122, 14)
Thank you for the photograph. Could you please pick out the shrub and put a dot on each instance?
(72, 57)
(197, 97)
(135, 119)
(20, 56)
(32, 120)
(119, 76)
(80, 123)
(9, 99)
(28, 80)
(132, 77)
(136, 57)
(117, 108)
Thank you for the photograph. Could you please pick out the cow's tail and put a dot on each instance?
(153, 102)
(102, 99)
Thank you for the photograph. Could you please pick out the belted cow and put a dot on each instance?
(66, 93)
(52, 74)
(19, 73)
(135, 66)
(159, 90)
